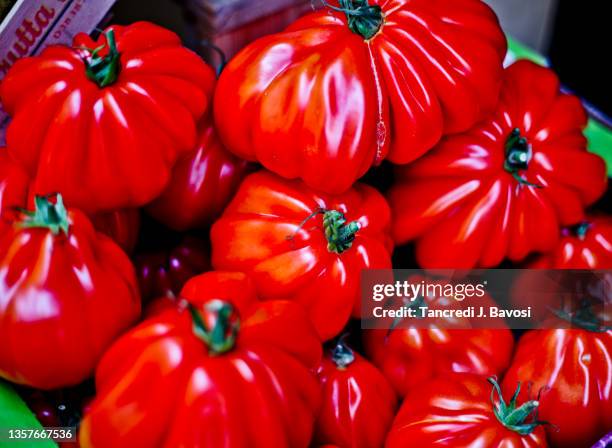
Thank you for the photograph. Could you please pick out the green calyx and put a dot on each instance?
(581, 230)
(522, 419)
(221, 338)
(342, 354)
(104, 70)
(340, 234)
(363, 19)
(47, 215)
(518, 155)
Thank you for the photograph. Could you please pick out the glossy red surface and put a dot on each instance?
(63, 299)
(464, 209)
(575, 369)
(203, 182)
(358, 404)
(259, 233)
(456, 411)
(591, 249)
(159, 385)
(408, 356)
(321, 103)
(16, 192)
(109, 147)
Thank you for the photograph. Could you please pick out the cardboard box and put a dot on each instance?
(232, 24)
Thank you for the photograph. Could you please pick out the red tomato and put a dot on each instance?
(358, 402)
(103, 121)
(576, 368)
(66, 292)
(14, 184)
(202, 184)
(341, 89)
(587, 245)
(505, 187)
(304, 246)
(121, 225)
(462, 411)
(163, 273)
(222, 370)
(408, 356)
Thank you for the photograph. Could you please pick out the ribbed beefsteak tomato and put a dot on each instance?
(102, 122)
(305, 246)
(575, 369)
(343, 88)
(408, 354)
(66, 291)
(203, 182)
(587, 245)
(504, 188)
(358, 402)
(16, 193)
(466, 411)
(222, 369)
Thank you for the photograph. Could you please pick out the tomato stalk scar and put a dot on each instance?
(47, 215)
(104, 70)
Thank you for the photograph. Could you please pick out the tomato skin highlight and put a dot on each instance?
(585, 246)
(321, 103)
(63, 299)
(483, 195)
(456, 411)
(16, 192)
(274, 230)
(113, 146)
(203, 182)
(160, 385)
(574, 367)
(408, 356)
(358, 404)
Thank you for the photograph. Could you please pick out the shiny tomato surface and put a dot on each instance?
(504, 188)
(102, 122)
(220, 369)
(66, 292)
(459, 411)
(358, 402)
(16, 192)
(587, 245)
(203, 182)
(301, 245)
(340, 90)
(573, 370)
(409, 354)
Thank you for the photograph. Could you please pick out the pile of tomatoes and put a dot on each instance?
(195, 244)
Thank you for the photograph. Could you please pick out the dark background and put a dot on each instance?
(580, 49)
